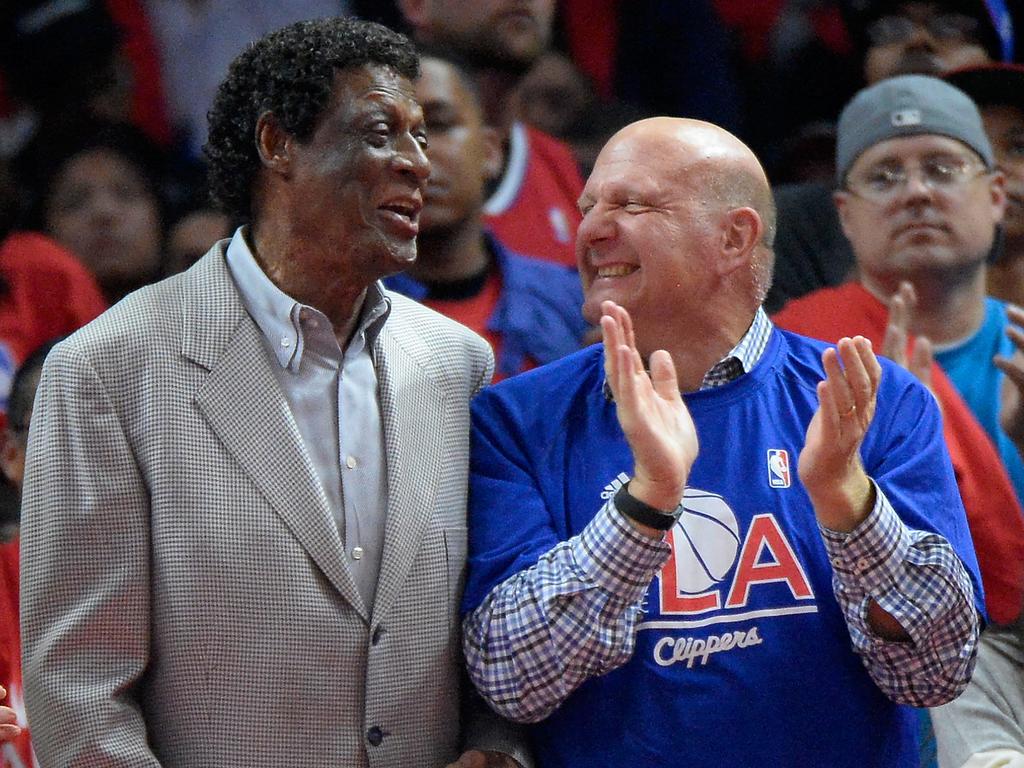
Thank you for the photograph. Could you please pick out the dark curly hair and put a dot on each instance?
(289, 73)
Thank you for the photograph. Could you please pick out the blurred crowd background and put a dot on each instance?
(103, 115)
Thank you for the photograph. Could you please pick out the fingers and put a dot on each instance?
(617, 334)
(827, 410)
(1016, 336)
(1015, 313)
(921, 358)
(836, 397)
(611, 337)
(8, 719)
(901, 305)
(663, 376)
(1013, 368)
(852, 376)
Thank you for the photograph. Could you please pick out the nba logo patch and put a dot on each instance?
(778, 468)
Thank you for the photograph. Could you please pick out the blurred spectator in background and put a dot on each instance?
(99, 197)
(197, 39)
(529, 310)
(532, 208)
(13, 441)
(659, 56)
(556, 97)
(189, 238)
(928, 37)
(44, 291)
(984, 727)
(65, 60)
(891, 37)
(998, 90)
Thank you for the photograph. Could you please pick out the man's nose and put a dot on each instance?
(921, 38)
(598, 224)
(916, 187)
(412, 159)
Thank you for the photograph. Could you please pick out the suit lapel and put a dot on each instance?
(412, 409)
(243, 404)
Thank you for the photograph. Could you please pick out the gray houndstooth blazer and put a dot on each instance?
(185, 601)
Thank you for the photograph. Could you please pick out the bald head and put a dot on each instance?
(676, 209)
(725, 168)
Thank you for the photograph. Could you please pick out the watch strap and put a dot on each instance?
(643, 513)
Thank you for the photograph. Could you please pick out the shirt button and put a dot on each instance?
(862, 565)
(357, 553)
(350, 462)
(375, 736)
(285, 342)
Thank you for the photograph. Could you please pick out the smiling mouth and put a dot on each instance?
(616, 270)
(404, 214)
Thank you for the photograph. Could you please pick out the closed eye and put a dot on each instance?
(636, 207)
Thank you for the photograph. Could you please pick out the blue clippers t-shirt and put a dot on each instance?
(743, 657)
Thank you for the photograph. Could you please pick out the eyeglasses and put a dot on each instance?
(948, 27)
(883, 183)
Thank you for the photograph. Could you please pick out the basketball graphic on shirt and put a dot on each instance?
(706, 541)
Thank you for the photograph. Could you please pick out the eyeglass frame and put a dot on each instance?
(962, 180)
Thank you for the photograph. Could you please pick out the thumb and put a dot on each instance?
(922, 357)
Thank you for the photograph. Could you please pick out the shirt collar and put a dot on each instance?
(282, 319)
(741, 359)
(744, 356)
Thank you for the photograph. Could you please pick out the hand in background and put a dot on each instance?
(1011, 405)
(894, 344)
(8, 719)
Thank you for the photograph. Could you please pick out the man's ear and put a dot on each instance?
(997, 191)
(12, 458)
(743, 231)
(273, 143)
(840, 198)
(494, 155)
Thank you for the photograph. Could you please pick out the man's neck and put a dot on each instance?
(298, 275)
(451, 254)
(949, 309)
(698, 347)
(498, 95)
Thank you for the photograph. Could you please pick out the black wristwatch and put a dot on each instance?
(645, 514)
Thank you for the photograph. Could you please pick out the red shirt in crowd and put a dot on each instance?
(48, 294)
(534, 209)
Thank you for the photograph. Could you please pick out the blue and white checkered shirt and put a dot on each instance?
(541, 633)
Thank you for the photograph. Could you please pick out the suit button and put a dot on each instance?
(378, 633)
(375, 736)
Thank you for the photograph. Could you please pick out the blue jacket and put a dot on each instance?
(538, 313)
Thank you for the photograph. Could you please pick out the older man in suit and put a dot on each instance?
(244, 521)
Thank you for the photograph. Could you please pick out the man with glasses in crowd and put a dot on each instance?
(892, 38)
(920, 199)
